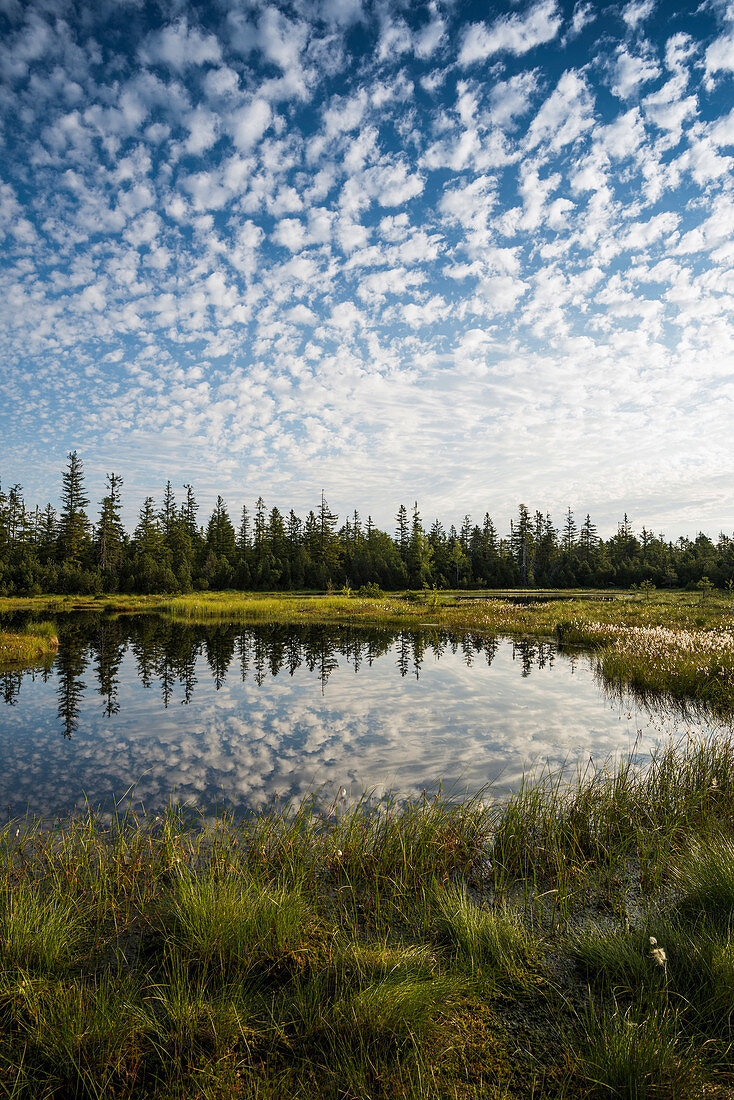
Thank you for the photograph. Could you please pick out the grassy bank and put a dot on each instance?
(430, 950)
(37, 642)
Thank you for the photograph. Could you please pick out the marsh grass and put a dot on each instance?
(389, 950)
(36, 642)
(636, 1054)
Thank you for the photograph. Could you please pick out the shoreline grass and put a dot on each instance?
(37, 642)
(429, 949)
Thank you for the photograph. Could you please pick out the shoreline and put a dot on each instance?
(673, 644)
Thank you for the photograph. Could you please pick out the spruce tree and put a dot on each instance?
(401, 531)
(110, 533)
(168, 514)
(73, 540)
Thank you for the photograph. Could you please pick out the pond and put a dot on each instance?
(229, 717)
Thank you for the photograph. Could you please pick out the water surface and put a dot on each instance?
(223, 715)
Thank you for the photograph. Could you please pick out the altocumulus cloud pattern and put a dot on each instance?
(466, 253)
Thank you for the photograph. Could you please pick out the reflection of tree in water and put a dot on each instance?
(71, 661)
(219, 646)
(182, 652)
(10, 686)
(533, 654)
(243, 649)
(108, 647)
(146, 647)
(166, 653)
(402, 655)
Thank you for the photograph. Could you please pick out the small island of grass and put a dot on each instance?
(37, 642)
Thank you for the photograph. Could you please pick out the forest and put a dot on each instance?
(77, 550)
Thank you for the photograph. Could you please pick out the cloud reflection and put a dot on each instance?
(226, 716)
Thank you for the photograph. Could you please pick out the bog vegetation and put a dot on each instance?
(78, 550)
(573, 941)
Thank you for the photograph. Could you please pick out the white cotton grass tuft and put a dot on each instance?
(658, 953)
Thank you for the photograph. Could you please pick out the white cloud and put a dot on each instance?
(583, 15)
(513, 33)
(510, 99)
(630, 72)
(392, 184)
(179, 46)
(395, 39)
(720, 56)
(203, 128)
(431, 36)
(566, 114)
(637, 11)
(249, 123)
(621, 138)
(668, 108)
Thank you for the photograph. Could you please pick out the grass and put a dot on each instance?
(38, 642)
(430, 949)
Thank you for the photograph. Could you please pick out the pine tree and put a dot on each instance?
(569, 532)
(465, 533)
(243, 535)
(520, 539)
(47, 535)
(588, 537)
(147, 532)
(489, 535)
(188, 514)
(419, 553)
(328, 550)
(16, 514)
(220, 536)
(168, 515)
(260, 530)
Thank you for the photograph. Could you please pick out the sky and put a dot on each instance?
(464, 254)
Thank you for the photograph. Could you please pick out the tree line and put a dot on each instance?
(73, 551)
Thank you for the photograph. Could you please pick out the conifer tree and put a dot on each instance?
(220, 536)
(73, 539)
(401, 531)
(110, 533)
(168, 514)
(188, 514)
(243, 534)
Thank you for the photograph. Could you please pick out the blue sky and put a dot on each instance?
(472, 254)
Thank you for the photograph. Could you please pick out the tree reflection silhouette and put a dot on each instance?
(167, 654)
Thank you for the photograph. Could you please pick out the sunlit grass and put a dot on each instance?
(36, 642)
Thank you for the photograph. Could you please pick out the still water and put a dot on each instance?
(227, 716)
